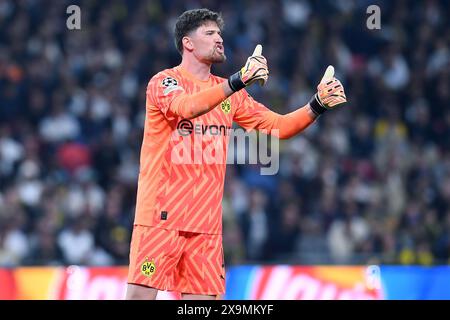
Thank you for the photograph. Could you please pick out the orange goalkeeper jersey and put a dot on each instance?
(183, 162)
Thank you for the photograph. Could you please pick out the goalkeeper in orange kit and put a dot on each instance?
(177, 236)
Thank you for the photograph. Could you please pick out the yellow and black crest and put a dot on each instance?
(226, 106)
(148, 268)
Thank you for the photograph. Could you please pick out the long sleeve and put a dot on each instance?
(254, 115)
(170, 97)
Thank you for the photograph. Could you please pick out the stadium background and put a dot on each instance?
(368, 184)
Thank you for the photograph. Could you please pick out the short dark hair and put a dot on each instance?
(192, 19)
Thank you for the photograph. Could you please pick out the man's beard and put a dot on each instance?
(216, 57)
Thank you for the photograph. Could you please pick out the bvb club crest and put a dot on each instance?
(148, 268)
(226, 106)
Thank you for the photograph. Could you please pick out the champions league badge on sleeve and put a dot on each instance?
(171, 84)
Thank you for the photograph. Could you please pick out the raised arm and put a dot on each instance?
(172, 98)
(254, 115)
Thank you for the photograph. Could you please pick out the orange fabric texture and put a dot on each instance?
(187, 196)
(281, 126)
(177, 261)
(199, 103)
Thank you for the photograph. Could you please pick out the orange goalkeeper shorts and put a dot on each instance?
(179, 261)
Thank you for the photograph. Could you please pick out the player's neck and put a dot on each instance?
(198, 69)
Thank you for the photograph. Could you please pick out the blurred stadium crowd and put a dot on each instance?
(368, 183)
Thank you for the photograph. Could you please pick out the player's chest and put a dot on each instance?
(220, 117)
(222, 114)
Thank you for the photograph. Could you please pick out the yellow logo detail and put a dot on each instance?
(148, 268)
(226, 106)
